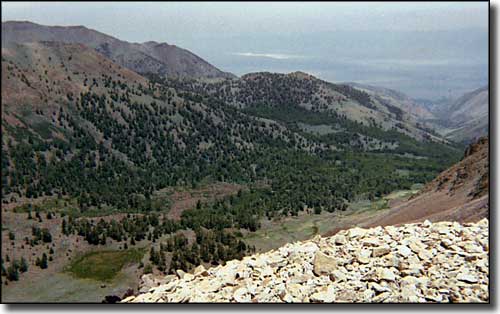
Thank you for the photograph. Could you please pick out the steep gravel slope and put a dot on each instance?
(426, 262)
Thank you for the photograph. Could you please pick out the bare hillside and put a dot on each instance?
(458, 193)
(149, 57)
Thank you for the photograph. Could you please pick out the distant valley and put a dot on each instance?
(464, 119)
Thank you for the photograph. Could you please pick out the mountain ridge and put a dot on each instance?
(54, 97)
(466, 118)
(163, 59)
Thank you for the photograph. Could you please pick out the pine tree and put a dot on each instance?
(64, 227)
(23, 267)
(13, 273)
(44, 262)
(46, 236)
(148, 269)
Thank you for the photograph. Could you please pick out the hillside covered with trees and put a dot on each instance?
(102, 141)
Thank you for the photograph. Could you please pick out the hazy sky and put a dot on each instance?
(424, 49)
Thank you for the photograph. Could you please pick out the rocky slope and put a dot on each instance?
(426, 262)
(460, 193)
(149, 57)
(42, 74)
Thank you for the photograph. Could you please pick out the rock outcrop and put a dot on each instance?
(424, 262)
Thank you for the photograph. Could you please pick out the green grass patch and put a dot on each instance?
(380, 204)
(51, 204)
(43, 128)
(69, 206)
(104, 265)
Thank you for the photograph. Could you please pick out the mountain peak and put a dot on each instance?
(150, 57)
(302, 75)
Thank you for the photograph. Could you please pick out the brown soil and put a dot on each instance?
(459, 193)
(437, 206)
(182, 200)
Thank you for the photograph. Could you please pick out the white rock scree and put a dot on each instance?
(425, 262)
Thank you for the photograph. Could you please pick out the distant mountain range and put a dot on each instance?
(466, 118)
(67, 100)
(461, 120)
(409, 105)
(149, 57)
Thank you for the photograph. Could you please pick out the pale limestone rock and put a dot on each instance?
(287, 298)
(433, 295)
(340, 239)
(324, 264)
(409, 293)
(188, 277)
(381, 250)
(324, 295)
(424, 255)
(200, 271)
(439, 262)
(363, 256)
(381, 297)
(467, 277)
(378, 288)
(300, 278)
(201, 298)
(356, 232)
(472, 247)
(386, 274)
(228, 277)
(482, 265)
(180, 273)
(371, 241)
(167, 287)
(483, 223)
(404, 251)
(412, 270)
(241, 295)
(338, 276)
(390, 260)
(266, 271)
(128, 299)
(210, 285)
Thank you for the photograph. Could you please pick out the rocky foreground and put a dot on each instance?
(427, 262)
